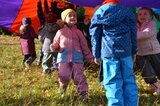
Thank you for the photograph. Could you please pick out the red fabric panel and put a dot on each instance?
(28, 9)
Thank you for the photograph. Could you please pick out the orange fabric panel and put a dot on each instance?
(28, 9)
(89, 11)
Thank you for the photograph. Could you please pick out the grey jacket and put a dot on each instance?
(49, 32)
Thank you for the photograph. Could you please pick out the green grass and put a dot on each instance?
(20, 87)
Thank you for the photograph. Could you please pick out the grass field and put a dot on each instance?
(20, 87)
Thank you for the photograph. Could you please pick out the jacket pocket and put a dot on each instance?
(62, 55)
(77, 55)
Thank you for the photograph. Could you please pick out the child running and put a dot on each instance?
(72, 50)
(48, 33)
(27, 42)
(148, 56)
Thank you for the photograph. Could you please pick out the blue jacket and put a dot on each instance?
(113, 32)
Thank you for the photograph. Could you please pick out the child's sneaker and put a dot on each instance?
(157, 92)
(47, 71)
(55, 66)
(156, 88)
(27, 66)
(62, 92)
(39, 63)
(53, 69)
(83, 98)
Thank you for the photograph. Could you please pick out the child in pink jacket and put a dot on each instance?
(72, 50)
(148, 56)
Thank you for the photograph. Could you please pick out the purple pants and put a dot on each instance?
(68, 71)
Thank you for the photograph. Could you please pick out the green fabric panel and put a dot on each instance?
(157, 24)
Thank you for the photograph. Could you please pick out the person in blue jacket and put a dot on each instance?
(113, 38)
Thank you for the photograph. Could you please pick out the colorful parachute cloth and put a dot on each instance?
(130, 3)
(12, 11)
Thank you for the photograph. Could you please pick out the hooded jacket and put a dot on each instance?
(113, 31)
(71, 45)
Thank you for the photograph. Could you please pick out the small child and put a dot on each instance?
(148, 56)
(48, 33)
(27, 41)
(72, 50)
(86, 30)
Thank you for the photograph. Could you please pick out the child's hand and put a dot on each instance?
(92, 61)
(22, 29)
(97, 61)
(52, 47)
(60, 22)
(134, 58)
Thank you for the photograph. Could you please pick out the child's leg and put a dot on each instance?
(155, 62)
(40, 57)
(27, 61)
(25, 58)
(64, 74)
(130, 89)
(32, 58)
(156, 88)
(113, 82)
(55, 65)
(47, 62)
(79, 78)
(147, 70)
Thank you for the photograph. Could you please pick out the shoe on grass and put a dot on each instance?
(47, 71)
(62, 92)
(83, 98)
(27, 66)
(157, 92)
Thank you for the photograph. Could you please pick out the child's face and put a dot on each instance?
(71, 18)
(86, 18)
(144, 16)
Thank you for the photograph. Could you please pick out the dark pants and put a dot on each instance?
(29, 58)
(40, 57)
(150, 67)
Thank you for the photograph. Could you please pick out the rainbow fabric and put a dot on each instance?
(130, 3)
(12, 11)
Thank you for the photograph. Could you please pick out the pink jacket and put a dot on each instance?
(71, 45)
(147, 41)
(27, 40)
